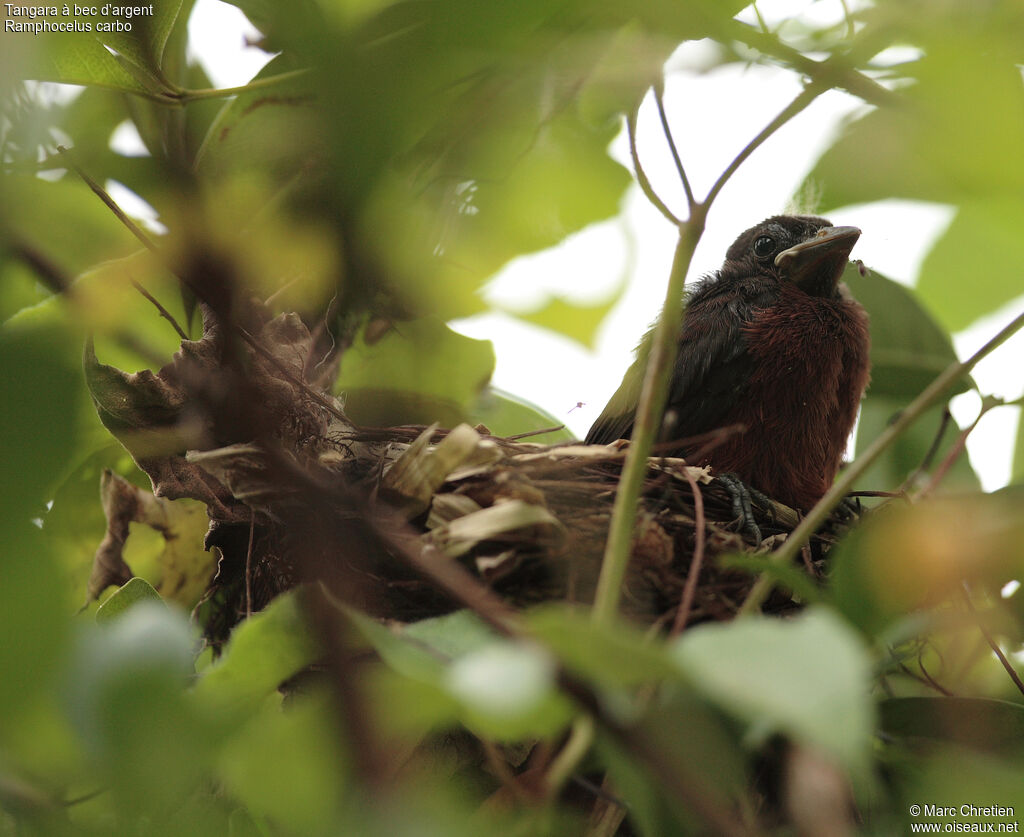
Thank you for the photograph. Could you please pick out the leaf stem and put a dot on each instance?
(641, 175)
(185, 96)
(817, 515)
(659, 99)
(805, 97)
(653, 396)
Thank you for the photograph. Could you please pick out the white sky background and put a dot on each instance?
(557, 373)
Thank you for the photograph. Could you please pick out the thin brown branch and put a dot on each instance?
(957, 448)
(925, 679)
(641, 175)
(163, 311)
(829, 73)
(540, 432)
(46, 271)
(933, 449)
(805, 97)
(697, 562)
(1010, 670)
(248, 565)
(101, 193)
(667, 130)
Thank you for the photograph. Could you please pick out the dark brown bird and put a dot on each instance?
(773, 341)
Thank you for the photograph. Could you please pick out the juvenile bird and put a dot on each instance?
(773, 341)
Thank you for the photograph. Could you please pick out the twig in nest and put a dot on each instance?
(690, 590)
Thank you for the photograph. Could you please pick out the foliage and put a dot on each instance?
(378, 171)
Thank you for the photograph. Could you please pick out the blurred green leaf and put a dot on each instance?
(580, 322)
(135, 591)
(507, 691)
(418, 373)
(908, 348)
(807, 677)
(505, 414)
(994, 726)
(62, 221)
(128, 701)
(612, 656)
(975, 267)
(263, 652)
(82, 59)
(38, 375)
(35, 623)
(452, 635)
(956, 137)
(917, 558)
(133, 62)
(501, 689)
(264, 131)
(284, 764)
(908, 452)
(693, 737)
(951, 777)
(143, 43)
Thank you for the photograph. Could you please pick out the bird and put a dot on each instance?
(772, 341)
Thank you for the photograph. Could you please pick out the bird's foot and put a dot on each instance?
(848, 509)
(741, 495)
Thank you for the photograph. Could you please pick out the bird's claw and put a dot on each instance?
(741, 495)
(849, 509)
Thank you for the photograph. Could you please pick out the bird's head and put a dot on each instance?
(802, 249)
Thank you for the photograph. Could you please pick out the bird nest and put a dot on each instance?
(375, 513)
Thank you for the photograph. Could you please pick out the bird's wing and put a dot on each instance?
(709, 374)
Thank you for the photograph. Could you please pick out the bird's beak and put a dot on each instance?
(815, 265)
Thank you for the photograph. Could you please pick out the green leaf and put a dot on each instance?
(807, 677)
(263, 652)
(419, 651)
(501, 689)
(62, 221)
(301, 784)
(614, 656)
(975, 267)
(965, 94)
(453, 635)
(128, 700)
(911, 558)
(505, 414)
(266, 130)
(908, 348)
(135, 591)
(35, 623)
(37, 431)
(579, 322)
(507, 690)
(143, 44)
(956, 779)
(84, 60)
(908, 452)
(790, 577)
(994, 726)
(418, 373)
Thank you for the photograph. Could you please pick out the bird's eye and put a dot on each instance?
(764, 246)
